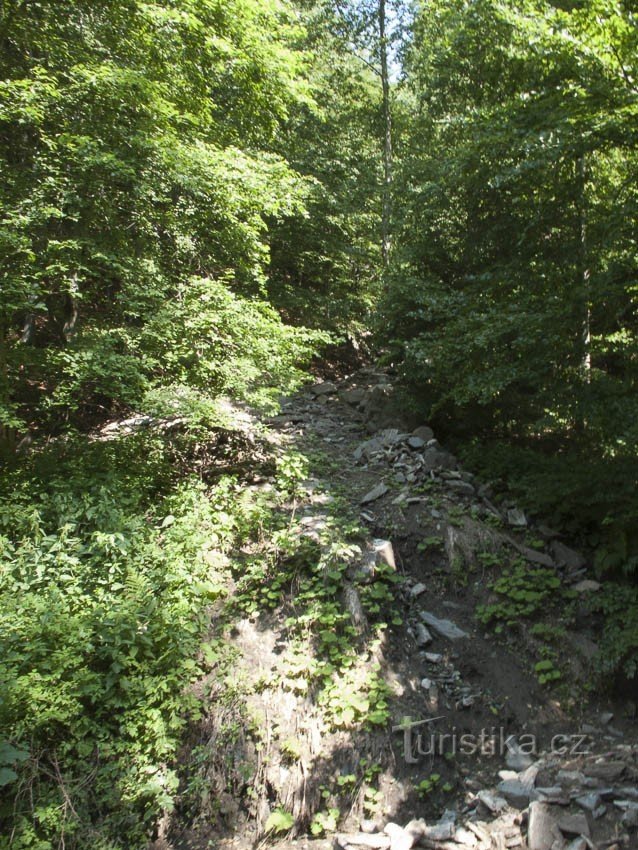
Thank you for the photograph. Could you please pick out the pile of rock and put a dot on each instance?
(417, 462)
(416, 459)
(446, 834)
(587, 803)
(443, 684)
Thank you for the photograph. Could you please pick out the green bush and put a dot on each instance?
(618, 654)
(105, 581)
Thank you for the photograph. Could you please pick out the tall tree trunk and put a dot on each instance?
(386, 214)
(583, 297)
(584, 273)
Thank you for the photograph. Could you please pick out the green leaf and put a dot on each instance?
(279, 821)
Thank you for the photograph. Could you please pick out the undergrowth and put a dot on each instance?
(107, 575)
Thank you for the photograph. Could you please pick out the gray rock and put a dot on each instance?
(606, 793)
(578, 844)
(417, 590)
(368, 826)
(381, 407)
(580, 646)
(376, 493)
(570, 777)
(492, 802)
(553, 794)
(446, 628)
(574, 824)
(605, 770)
(508, 774)
(517, 793)
(426, 684)
(630, 819)
(542, 830)
(516, 518)
(589, 801)
(384, 553)
(463, 542)
(378, 553)
(533, 555)
(632, 793)
(416, 828)
(464, 488)
(314, 521)
(566, 557)
(423, 635)
(416, 442)
(433, 657)
(423, 433)
(434, 459)
(547, 532)
(400, 839)
(354, 396)
(389, 436)
(440, 831)
(517, 759)
(325, 388)
(587, 585)
(368, 449)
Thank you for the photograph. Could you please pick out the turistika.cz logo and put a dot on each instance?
(419, 741)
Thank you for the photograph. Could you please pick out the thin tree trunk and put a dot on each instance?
(386, 214)
(7, 434)
(584, 273)
(583, 298)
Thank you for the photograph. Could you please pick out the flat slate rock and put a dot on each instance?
(374, 494)
(517, 793)
(587, 585)
(446, 628)
(605, 770)
(566, 557)
(534, 555)
(326, 388)
(543, 830)
(574, 824)
(423, 636)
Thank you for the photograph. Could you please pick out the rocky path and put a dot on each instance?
(574, 786)
(491, 742)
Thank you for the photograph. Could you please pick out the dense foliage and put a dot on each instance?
(137, 150)
(150, 154)
(106, 580)
(513, 298)
(196, 196)
(325, 267)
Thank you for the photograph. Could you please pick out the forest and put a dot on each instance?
(206, 206)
